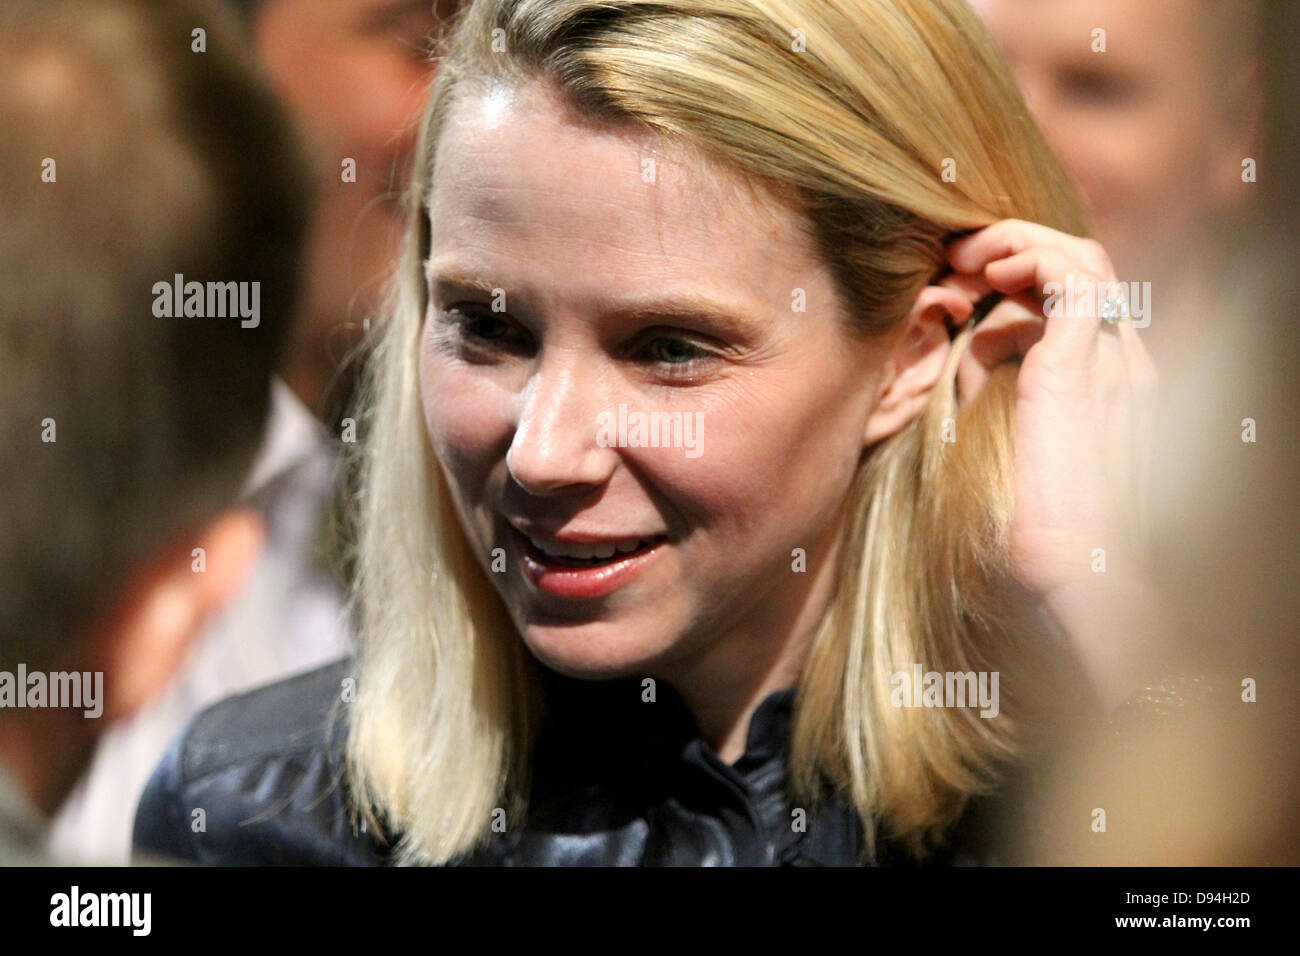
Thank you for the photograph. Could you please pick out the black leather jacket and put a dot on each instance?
(617, 782)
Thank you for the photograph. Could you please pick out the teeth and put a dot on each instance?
(605, 549)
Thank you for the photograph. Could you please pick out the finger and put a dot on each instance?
(1033, 269)
(1122, 448)
(1141, 368)
(974, 287)
(1009, 331)
(1032, 274)
(1073, 318)
(1144, 381)
(1006, 238)
(1123, 407)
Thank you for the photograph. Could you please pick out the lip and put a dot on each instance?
(536, 529)
(578, 583)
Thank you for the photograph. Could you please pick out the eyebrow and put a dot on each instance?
(454, 276)
(687, 307)
(690, 309)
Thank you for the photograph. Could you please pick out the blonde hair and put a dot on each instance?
(855, 109)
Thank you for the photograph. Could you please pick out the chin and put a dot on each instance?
(595, 650)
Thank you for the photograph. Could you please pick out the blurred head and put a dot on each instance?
(1155, 127)
(746, 243)
(354, 74)
(129, 433)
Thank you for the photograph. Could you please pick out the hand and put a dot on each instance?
(1085, 399)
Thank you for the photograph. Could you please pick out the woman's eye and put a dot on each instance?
(675, 351)
(1097, 87)
(486, 327)
(482, 328)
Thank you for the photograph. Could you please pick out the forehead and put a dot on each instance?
(1137, 34)
(358, 14)
(517, 169)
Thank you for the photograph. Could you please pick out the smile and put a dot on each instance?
(584, 570)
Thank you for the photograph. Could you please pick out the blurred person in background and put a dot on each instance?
(1182, 137)
(353, 75)
(1153, 118)
(128, 426)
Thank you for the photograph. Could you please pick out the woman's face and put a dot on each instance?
(582, 281)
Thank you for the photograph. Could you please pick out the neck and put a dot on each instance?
(763, 654)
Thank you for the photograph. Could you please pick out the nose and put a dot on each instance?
(554, 449)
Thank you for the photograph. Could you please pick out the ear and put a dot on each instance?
(916, 360)
(166, 604)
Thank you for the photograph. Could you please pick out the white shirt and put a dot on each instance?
(289, 617)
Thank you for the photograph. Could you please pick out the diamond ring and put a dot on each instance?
(1114, 310)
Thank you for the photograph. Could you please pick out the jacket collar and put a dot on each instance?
(661, 738)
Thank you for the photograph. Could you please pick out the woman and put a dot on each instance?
(682, 455)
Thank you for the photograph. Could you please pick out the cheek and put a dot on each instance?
(467, 417)
(1159, 156)
(773, 460)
